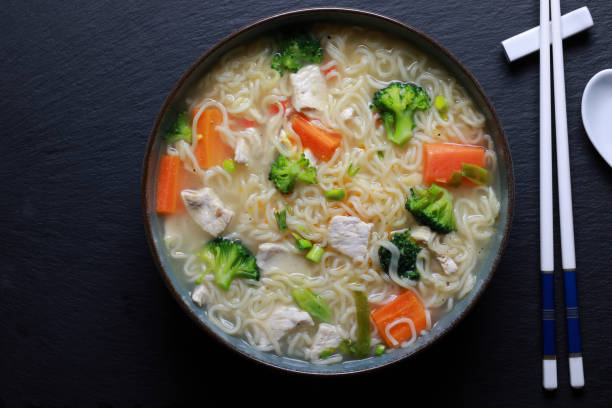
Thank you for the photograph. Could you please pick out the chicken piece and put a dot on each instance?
(423, 234)
(199, 295)
(207, 210)
(282, 321)
(246, 139)
(281, 257)
(446, 262)
(328, 337)
(309, 89)
(349, 235)
(267, 254)
(241, 153)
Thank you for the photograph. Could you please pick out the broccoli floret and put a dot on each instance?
(295, 51)
(396, 104)
(227, 260)
(180, 130)
(433, 207)
(285, 172)
(406, 264)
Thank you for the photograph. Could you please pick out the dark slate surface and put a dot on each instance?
(86, 320)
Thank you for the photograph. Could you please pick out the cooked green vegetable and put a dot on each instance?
(440, 103)
(335, 194)
(315, 254)
(475, 173)
(455, 179)
(303, 244)
(347, 346)
(180, 130)
(472, 172)
(433, 207)
(295, 51)
(327, 353)
(441, 106)
(229, 165)
(381, 154)
(311, 303)
(281, 219)
(362, 345)
(285, 172)
(227, 260)
(352, 171)
(300, 242)
(303, 230)
(379, 350)
(397, 104)
(406, 263)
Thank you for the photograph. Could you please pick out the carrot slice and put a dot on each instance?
(167, 184)
(407, 306)
(441, 159)
(211, 150)
(321, 143)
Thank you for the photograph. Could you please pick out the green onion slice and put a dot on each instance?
(475, 173)
(300, 242)
(335, 194)
(312, 303)
(362, 345)
(281, 219)
(441, 106)
(455, 179)
(352, 171)
(315, 254)
(229, 165)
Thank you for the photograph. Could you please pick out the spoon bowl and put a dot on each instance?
(597, 113)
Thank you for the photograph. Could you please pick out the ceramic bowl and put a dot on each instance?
(504, 181)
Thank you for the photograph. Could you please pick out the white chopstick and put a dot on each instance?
(547, 260)
(566, 219)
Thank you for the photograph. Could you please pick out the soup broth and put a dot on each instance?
(257, 107)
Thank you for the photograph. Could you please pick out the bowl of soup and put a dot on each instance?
(327, 191)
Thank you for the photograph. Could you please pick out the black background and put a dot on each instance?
(85, 318)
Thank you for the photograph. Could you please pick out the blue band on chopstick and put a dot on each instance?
(571, 307)
(548, 314)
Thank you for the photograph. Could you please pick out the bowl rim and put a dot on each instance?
(494, 123)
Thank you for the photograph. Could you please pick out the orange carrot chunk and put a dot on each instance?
(211, 150)
(405, 306)
(321, 143)
(167, 184)
(441, 159)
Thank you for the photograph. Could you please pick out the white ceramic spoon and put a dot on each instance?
(597, 113)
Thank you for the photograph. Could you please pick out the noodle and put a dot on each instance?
(395, 323)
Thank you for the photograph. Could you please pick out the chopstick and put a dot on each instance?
(547, 260)
(566, 219)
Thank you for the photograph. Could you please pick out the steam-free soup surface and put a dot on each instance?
(347, 298)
